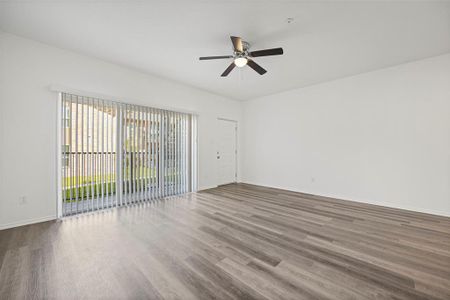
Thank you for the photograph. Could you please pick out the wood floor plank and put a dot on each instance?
(237, 241)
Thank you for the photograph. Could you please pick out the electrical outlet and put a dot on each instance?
(22, 200)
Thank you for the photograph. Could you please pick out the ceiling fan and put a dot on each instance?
(242, 56)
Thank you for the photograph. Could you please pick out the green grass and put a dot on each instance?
(88, 190)
(93, 185)
(82, 180)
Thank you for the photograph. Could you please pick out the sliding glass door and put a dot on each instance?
(114, 154)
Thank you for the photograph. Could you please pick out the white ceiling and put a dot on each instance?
(327, 40)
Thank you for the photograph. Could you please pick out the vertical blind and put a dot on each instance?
(114, 154)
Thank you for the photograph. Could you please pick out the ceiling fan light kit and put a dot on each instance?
(240, 61)
(242, 56)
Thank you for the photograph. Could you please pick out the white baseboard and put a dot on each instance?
(27, 222)
(379, 203)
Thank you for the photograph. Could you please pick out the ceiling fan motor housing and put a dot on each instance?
(244, 53)
(245, 46)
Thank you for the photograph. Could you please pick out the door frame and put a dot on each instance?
(235, 150)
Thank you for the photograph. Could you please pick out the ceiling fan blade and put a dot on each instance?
(260, 70)
(228, 70)
(237, 43)
(267, 52)
(215, 57)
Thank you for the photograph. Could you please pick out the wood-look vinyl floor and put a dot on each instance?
(233, 242)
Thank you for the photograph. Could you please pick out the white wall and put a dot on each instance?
(28, 118)
(381, 137)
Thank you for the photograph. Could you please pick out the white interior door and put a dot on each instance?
(227, 151)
